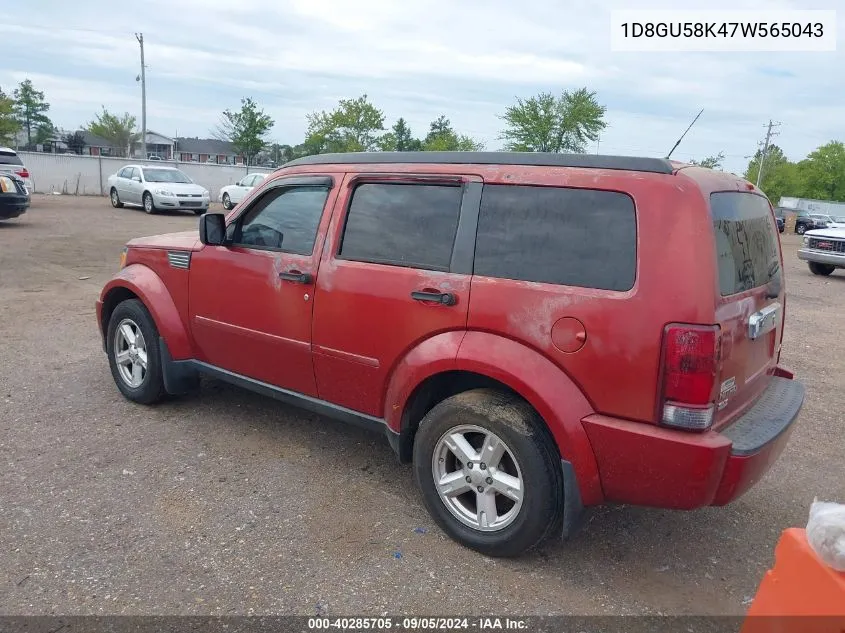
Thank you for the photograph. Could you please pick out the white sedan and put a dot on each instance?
(233, 194)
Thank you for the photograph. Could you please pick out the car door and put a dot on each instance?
(121, 183)
(251, 300)
(134, 187)
(394, 274)
(245, 186)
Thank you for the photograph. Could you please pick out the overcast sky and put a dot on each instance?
(467, 59)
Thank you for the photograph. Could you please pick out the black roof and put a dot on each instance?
(591, 161)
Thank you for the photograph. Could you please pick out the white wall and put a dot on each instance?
(88, 175)
(813, 206)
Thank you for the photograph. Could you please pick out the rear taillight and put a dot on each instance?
(23, 173)
(690, 367)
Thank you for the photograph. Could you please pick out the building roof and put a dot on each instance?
(92, 140)
(594, 161)
(210, 146)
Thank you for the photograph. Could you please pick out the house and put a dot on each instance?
(98, 146)
(207, 150)
(157, 144)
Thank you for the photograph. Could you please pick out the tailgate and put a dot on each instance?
(750, 306)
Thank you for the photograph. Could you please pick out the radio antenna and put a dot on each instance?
(684, 134)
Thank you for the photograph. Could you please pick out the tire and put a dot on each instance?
(821, 269)
(530, 459)
(200, 211)
(800, 229)
(227, 202)
(115, 199)
(149, 205)
(132, 314)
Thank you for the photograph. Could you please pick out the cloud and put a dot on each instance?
(467, 60)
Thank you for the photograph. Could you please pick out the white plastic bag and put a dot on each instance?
(826, 532)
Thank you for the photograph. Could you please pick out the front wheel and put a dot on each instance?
(134, 358)
(149, 206)
(489, 472)
(199, 211)
(227, 202)
(821, 269)
(800, 229)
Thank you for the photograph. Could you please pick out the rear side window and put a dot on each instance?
(402, 225)
(746, 241)
(10, 159)
(556, 235)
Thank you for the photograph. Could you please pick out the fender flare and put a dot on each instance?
(544, 385)
(150, 289)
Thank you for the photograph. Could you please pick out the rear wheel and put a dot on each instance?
(821, 269)
(115, 199)
(227, 202)
(149, 206)
(489, 472)
(134, 358)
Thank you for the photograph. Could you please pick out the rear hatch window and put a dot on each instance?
(8, 158)
(746, 241)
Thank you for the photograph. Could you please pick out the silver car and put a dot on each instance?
(157, 188)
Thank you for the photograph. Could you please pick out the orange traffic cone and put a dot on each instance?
(800, 594)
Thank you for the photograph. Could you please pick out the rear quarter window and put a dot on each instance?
(746, 241)
(572, 237)
(10, 159)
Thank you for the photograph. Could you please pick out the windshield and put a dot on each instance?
(165, 175)
(839, 218)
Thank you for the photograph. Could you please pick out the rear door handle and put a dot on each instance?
(444, 298)
(296, 277)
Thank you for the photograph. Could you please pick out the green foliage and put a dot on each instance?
(9, 125)
(820, 176)
(354, 126)
(710, 162)
(442, 138)
(75, 142)
(45, 133)
(545, 123)
(246, 129)
(400, 139)
(30, 107)
(118, 130)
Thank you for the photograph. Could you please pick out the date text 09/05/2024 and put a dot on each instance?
(417, 624)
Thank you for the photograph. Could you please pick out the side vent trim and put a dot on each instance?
(179, 259)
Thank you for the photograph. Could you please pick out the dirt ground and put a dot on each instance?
(230, 503)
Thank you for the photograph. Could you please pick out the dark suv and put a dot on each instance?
(535, 332)
(806, 221)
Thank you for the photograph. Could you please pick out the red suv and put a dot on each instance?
(535, 332)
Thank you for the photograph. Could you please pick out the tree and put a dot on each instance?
(780, 176)
(822, 173)
(246, 130)
(400, 139)
(353, 126)
(710, 162)
(545, 123)
(30, 107)
(45, 133)
(120, 131)
(9, 125)
(442, 138)
(75, 142)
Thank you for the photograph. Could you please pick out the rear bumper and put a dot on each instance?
(642, 464)
(833, 259)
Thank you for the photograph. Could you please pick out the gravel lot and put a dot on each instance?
(230, 503)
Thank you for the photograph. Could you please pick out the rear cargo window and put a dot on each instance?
(10, 159)
(746, 241)
(556, 235)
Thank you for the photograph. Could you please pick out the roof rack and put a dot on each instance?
(540, 159)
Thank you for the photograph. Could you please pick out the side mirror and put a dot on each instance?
(212, 229)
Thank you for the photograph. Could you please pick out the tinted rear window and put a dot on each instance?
(10, 159)
(571, 237)
(746, 241)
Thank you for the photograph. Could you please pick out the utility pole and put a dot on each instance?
(765, 151)
(140, 38)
